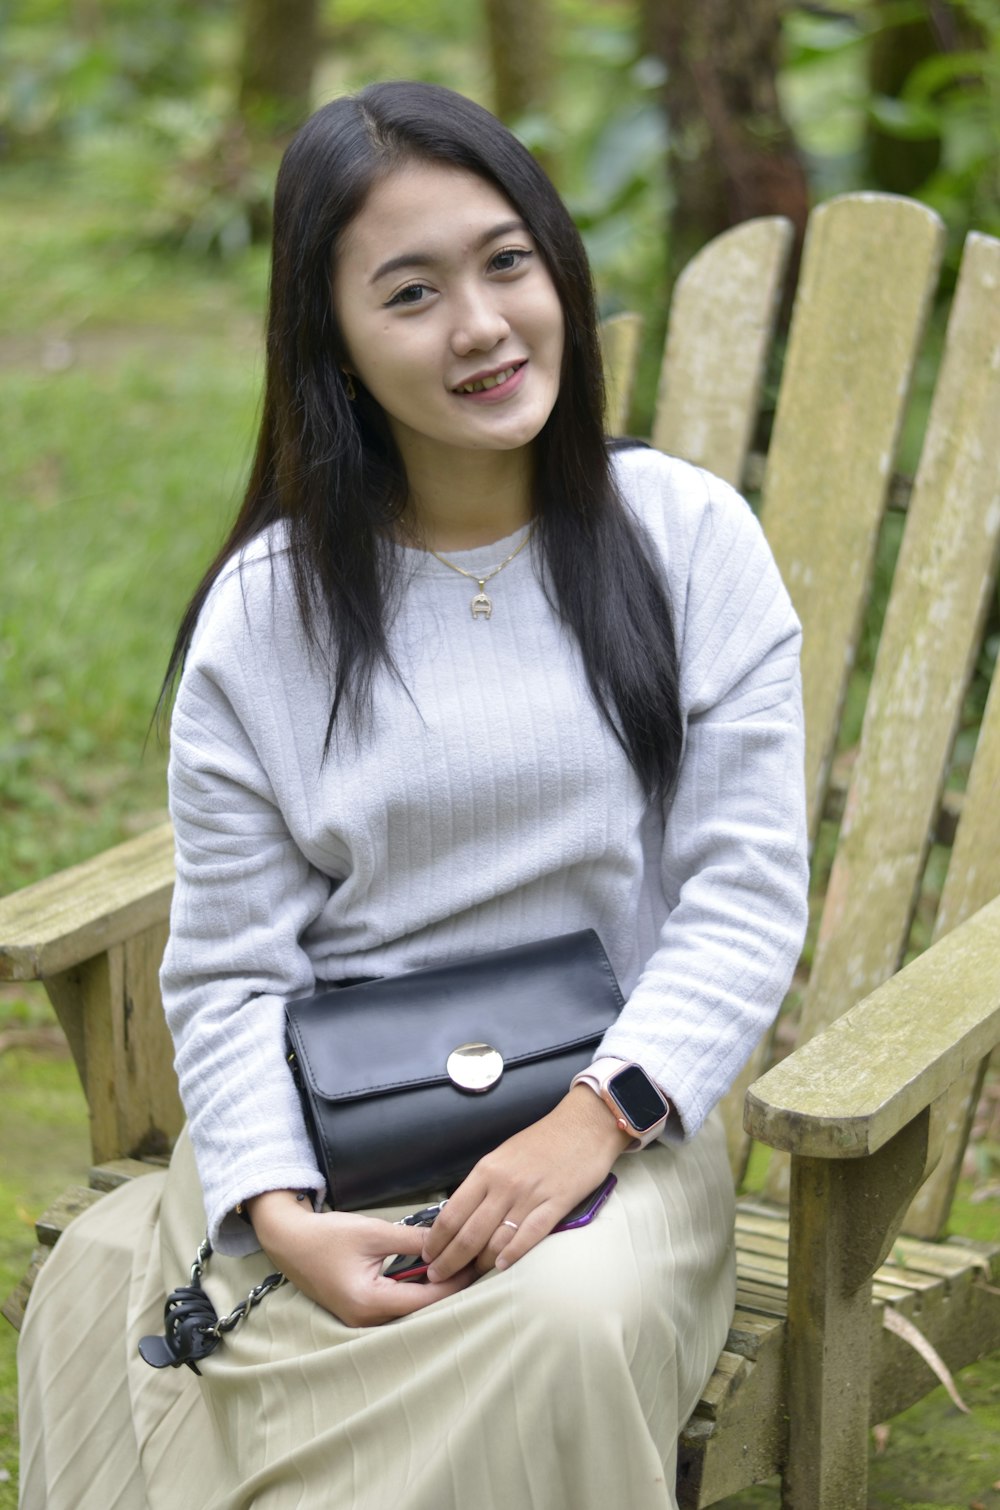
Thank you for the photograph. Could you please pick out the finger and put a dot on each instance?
(538, 1224)
(452, 1218)
(459, 1236)
(496, 1245)
(464, 1247)
(398, 1240)
(380, 1239)
(402, 1299)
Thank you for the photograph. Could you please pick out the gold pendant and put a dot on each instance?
(482, 606)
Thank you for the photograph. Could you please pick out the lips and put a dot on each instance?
(483, 382)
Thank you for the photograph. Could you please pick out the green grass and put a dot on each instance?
(118, 472)
(128, 390)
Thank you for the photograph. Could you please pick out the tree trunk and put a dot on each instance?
(280, 46)
(519, 36)
(731, 155)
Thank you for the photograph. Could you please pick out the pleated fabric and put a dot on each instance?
(561, 1384)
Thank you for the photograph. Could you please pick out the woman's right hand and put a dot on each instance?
(336, 1258)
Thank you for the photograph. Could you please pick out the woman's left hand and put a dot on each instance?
(516, 1194)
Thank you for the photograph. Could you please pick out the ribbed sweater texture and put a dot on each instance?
(489, 804)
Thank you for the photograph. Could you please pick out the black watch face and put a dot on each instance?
(640, 1101)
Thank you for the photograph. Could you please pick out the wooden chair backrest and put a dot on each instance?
(869, 274)
(95, 934)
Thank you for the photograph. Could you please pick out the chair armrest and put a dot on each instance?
(81, 912)
(846, 1092)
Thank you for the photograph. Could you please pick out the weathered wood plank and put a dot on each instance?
(53, 1222)
(16, 1304)
(111, 1011)
(856, 328)
(847, 1092)
(930, 638)
(844, 1217)
(740, 1437)
(957, 1316)
(973, 878)
(722, 319)
(117, 1172)
(946, 569)
(621, 336)
(962, 1324)
(77, 914)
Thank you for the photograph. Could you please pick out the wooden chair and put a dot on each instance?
(882, 1084)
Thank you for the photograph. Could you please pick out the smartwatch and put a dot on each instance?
(638, 1107)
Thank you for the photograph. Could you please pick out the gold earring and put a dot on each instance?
(349, 387)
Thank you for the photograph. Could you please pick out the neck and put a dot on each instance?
(479, 497)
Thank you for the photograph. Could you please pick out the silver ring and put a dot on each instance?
(508, 1223)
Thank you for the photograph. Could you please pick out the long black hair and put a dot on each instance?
(329, 468)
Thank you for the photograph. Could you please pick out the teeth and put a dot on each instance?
(488, 382)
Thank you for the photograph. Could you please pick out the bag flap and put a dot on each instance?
(529, 1002)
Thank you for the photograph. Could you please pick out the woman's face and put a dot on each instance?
(449, 315)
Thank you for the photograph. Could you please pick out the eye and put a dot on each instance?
(413, 293)
(509, 259)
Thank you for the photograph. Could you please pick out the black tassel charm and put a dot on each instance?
(192, 1329)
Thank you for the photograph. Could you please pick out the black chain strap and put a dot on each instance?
(192, 1326)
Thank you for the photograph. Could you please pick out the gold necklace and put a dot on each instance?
(482, 605)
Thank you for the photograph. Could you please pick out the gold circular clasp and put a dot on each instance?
(474, 1066)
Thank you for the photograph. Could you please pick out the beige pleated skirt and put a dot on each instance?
(561, 1384)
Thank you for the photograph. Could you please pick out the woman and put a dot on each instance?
(376, 767)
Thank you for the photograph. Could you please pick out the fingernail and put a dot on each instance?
(501, 1262)
(433, 1276)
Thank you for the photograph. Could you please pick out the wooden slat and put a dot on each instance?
(620, 339)
(767, 1303)
(856, 330)
(761, 1243)
(738, 1432)
(956, 1315)
(974, 867)
(950, 1258)
(16, 1303)
(764, 1268)
(111, 1011)
(75, 915)
(721, 322)
(846, 1093)
(117, 1172)
(53, 1222)
(939, 598)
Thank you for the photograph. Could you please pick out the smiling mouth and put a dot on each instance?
(481, 385)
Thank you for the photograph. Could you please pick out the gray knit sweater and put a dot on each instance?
(489, 805)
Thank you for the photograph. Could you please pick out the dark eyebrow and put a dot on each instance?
(426, 259)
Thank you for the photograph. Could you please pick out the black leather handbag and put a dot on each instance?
(406, 1081)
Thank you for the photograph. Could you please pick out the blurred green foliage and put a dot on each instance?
(141, 96)
(124, 166)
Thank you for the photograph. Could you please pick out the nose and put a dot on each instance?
(480, 324)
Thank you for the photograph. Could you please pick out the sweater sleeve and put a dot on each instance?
(734, 865)
(244, 896)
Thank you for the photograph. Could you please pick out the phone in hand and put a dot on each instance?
(412, 1266)
(583, 1213)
